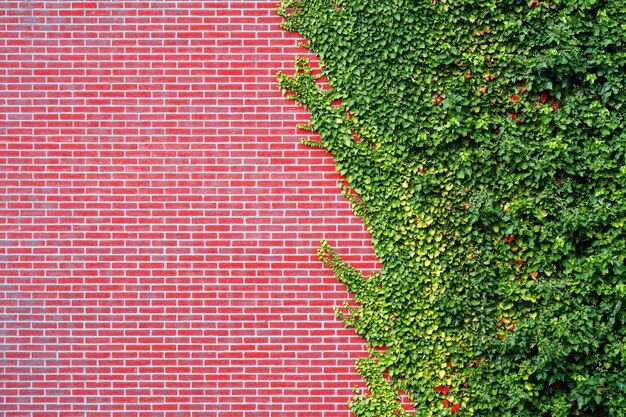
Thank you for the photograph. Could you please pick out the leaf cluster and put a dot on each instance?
(484, 147)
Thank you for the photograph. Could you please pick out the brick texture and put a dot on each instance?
(159, 220)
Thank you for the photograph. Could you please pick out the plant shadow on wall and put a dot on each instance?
(484, 147)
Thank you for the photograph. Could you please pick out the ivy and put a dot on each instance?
(483, 145)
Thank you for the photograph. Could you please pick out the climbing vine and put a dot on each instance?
(483, 144)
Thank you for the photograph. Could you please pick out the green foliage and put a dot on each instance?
(484, 147)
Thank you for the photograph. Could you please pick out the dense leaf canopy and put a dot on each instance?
(483, 145)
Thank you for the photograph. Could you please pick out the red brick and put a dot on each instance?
(159, 220)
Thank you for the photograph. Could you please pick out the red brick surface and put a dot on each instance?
(159, 220)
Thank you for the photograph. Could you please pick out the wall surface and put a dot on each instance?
(159, 220)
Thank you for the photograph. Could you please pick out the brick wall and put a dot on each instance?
(159, 220)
